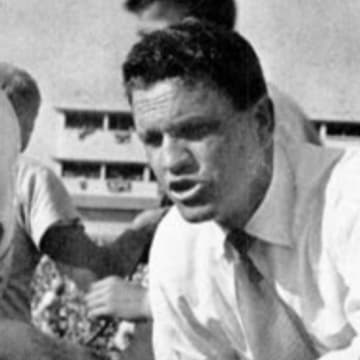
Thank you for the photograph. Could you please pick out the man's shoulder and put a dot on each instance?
(342, 192)
(341, 213)
(345, 177)
(337, 170)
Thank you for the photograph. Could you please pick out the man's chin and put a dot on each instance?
(196, 214)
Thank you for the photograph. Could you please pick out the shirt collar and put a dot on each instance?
(272, 221)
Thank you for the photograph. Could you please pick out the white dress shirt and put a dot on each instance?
(309, 226)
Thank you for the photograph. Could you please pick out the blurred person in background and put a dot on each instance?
(9, 150)
(46, 222)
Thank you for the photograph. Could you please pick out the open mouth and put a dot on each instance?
(182, 186)
(185, 190)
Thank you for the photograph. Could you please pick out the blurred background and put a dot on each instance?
(310, 49)
(74, 48)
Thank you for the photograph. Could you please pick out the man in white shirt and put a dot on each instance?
(291, 124)
(202, 110)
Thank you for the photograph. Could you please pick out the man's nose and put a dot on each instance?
(177, 158)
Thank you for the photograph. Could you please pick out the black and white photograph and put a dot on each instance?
(179, 180)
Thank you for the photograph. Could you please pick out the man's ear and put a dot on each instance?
(264, 115)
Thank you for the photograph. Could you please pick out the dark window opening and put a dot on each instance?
(132, 172)
(342, 129)
(122, 122)
(81, 169)
(84, 120)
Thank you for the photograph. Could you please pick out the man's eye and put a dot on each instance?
(152, 139)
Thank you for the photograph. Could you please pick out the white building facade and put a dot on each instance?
(102, 164)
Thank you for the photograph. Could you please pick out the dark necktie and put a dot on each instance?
(272, 329)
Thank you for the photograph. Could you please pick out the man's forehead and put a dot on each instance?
(155, 101)
(173, 99)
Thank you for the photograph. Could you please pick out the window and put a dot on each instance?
(81, 169)
(83, 120)
(342, 129)
(132, 172)
(119, 177)
(121, 121)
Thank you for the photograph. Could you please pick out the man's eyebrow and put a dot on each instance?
(191, 129)
(193, 121)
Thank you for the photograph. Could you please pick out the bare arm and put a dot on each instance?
(70, 245)
(118, 298)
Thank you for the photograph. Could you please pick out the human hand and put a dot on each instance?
(210, 340)
(83, 278)
(117, 297)
(213, 333)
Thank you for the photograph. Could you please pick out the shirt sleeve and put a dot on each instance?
(46, 203)
(344, 249)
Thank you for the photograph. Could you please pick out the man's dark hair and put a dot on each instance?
(197, 52)
(21, 89)
(220, 12)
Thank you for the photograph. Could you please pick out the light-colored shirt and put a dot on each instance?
(41, 202)
(309, 226)
(9, 150)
